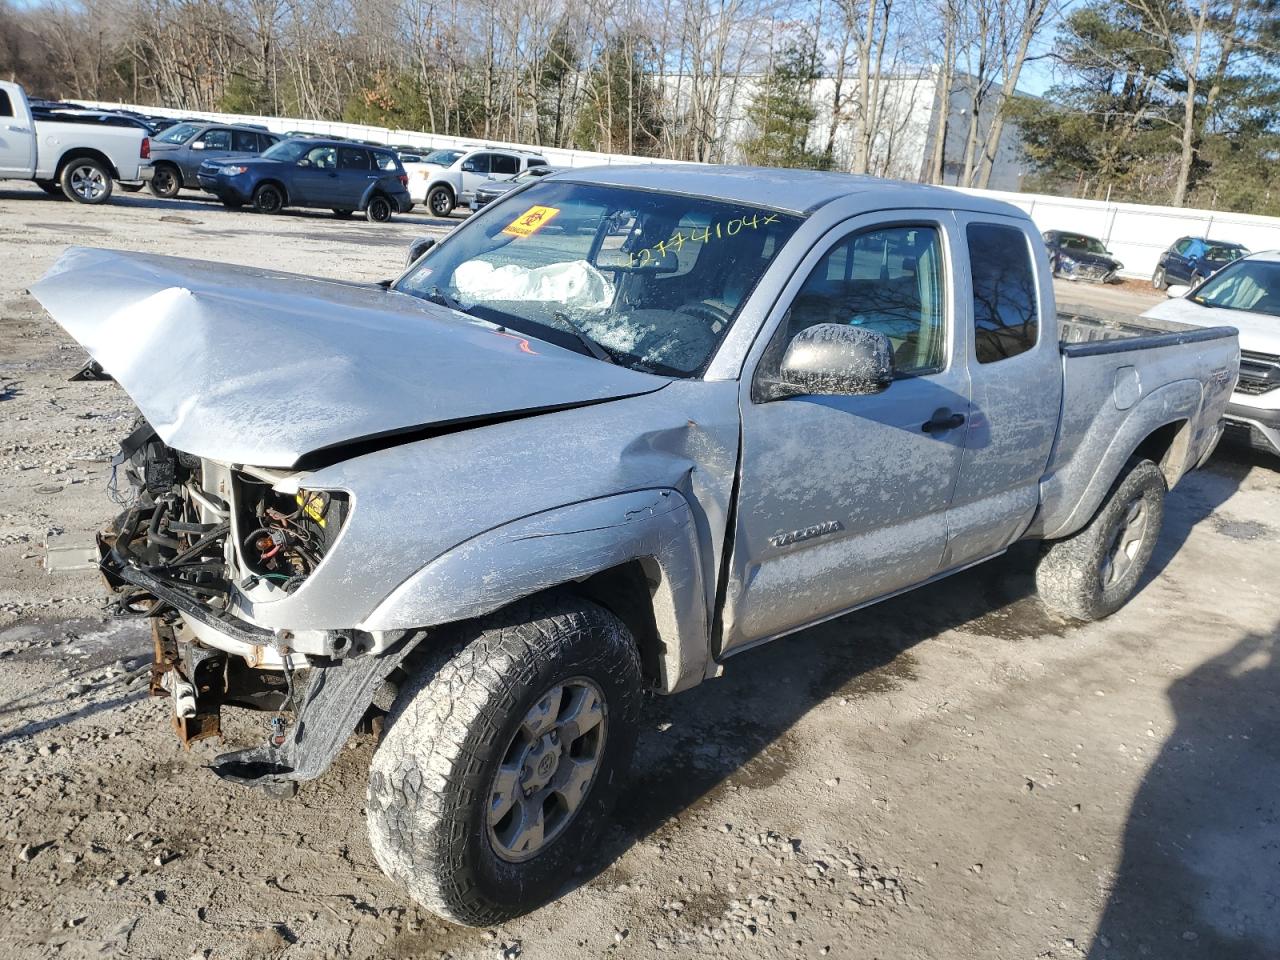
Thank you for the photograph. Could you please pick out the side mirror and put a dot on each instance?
(1177, 290)
(198, 145)
(834, 359)
(417, 249)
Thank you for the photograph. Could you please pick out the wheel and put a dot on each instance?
(166, 181)
(1159, 280)
(85, 180)
(268, 198)
(440, 201)
(1091, 574)
(502, 759)
(130, 187)
(52, 188)
(341, 214)
(378, 210)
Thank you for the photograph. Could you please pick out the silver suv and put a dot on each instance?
(176, 154)
(446, 179)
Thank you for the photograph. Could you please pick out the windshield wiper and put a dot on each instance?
(595, 349)
(436, 295)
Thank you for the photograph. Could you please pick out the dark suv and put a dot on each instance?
(338, 174)
(177, 153)
(1192, 259)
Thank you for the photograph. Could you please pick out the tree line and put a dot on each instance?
(1171, 101)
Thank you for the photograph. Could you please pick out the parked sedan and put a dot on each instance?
(1193, 259)
(493, 190)
(343, 176)
(178, 153)
(1077, 256)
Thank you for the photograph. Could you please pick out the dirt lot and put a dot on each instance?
(953, 774)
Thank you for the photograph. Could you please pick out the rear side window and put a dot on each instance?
(244, 141)
(349, 159)
(6, 108)
(506, 165)
(1005, 310)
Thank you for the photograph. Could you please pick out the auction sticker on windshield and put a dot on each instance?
(531, 221)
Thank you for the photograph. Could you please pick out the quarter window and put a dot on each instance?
(349, 159)
(1005, 309)
(888, 280)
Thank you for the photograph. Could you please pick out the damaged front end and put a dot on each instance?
(198, 545)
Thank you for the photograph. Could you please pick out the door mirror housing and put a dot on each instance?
(1176, 291)
(417, 249)
(198, 145)
(835, 359)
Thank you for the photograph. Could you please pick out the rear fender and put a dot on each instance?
(569, 544)
(1174, 402)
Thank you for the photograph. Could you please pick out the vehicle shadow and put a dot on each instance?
(733, 729)
(1200, 871)
(1197, 497)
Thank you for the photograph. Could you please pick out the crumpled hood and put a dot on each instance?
(247, 365)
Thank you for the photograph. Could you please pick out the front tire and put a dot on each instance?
(503, 757)
(268, 198)
(378, 210)
(440, 201)
(85, 180)
(1159, 280)
(1093, 573)
(165, 181)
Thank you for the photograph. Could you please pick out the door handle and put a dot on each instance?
(17, 129)
(942, 421)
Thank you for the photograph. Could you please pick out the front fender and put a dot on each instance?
(566, 544)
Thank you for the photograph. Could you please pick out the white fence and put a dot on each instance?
(1136, 233)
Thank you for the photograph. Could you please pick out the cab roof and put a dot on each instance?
(795, 191)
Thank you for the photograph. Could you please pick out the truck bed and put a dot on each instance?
(1089, 332)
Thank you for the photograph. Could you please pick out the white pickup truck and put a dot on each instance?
(73, 159)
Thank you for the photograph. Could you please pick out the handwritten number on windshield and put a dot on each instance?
(712, 231)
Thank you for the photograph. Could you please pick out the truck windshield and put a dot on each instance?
(1252, 285)
(654, 279)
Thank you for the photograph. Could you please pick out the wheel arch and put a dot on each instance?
(85, 153)
(273, 182)
(636, 554)
(172, 165)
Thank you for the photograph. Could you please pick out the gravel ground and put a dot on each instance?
(952, 774)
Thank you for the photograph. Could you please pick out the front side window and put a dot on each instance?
(890, 280)
(217, 140)
(6, 107)
(654, 279)
(477, 164)
(1005, 305)
(178, 133)
(1252, 285)
(322, 158)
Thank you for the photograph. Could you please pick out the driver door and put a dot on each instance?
(475, 171)
(843, 499)
(315, 178)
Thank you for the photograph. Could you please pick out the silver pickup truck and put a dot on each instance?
(617, 427)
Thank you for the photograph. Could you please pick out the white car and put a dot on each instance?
(70, 157)
(448, 178)
(1244, 295)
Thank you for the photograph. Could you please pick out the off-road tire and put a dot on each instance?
(1069, 576)
(1159, 280)
(165, 182)
(85, 180)
(441, 201)
(379, 209)
(268, 198)
(431, 778)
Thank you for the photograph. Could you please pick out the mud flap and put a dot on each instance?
(335, 700)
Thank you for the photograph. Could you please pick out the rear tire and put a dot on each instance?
(1093, 573)
(86, 180)
(165, 181)
(379, 209)
(440, 201)
(502, 758)
(268, 198)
